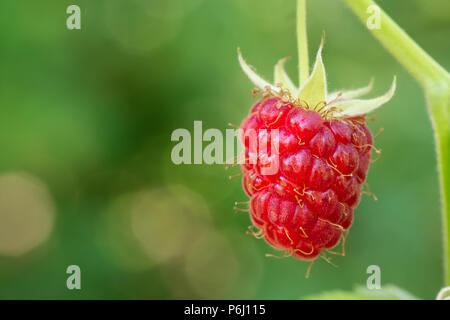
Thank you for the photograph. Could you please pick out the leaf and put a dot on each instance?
(351, 94)
(282, 78)
(253, 76)
(358, 107)
(444, 294)
(387, 292)
(314, 90)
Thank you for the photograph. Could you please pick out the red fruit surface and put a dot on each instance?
(309, 201)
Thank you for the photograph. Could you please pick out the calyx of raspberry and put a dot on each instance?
(313, 94)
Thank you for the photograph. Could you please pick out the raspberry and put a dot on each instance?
(320, 146)
(306, 205)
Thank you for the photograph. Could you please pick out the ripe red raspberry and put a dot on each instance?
(306, 205)
(320, 149)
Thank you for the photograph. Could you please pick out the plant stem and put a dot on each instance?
(435, 81)
(302, 43)
(439, 107)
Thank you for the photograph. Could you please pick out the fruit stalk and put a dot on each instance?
(302, 43)
(435, 81)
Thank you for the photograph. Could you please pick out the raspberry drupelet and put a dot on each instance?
(306, 205)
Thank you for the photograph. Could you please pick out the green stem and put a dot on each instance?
(435, 81)
(302, 42)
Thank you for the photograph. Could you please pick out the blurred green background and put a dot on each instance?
(86, 176)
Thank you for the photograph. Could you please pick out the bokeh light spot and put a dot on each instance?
(211, 266)
(26, 213)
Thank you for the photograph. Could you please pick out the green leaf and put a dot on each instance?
(358, 107)
(253, 76)
(314, 90)
(282, 78)
(444, 294)
(350, 94)
(388, 292)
